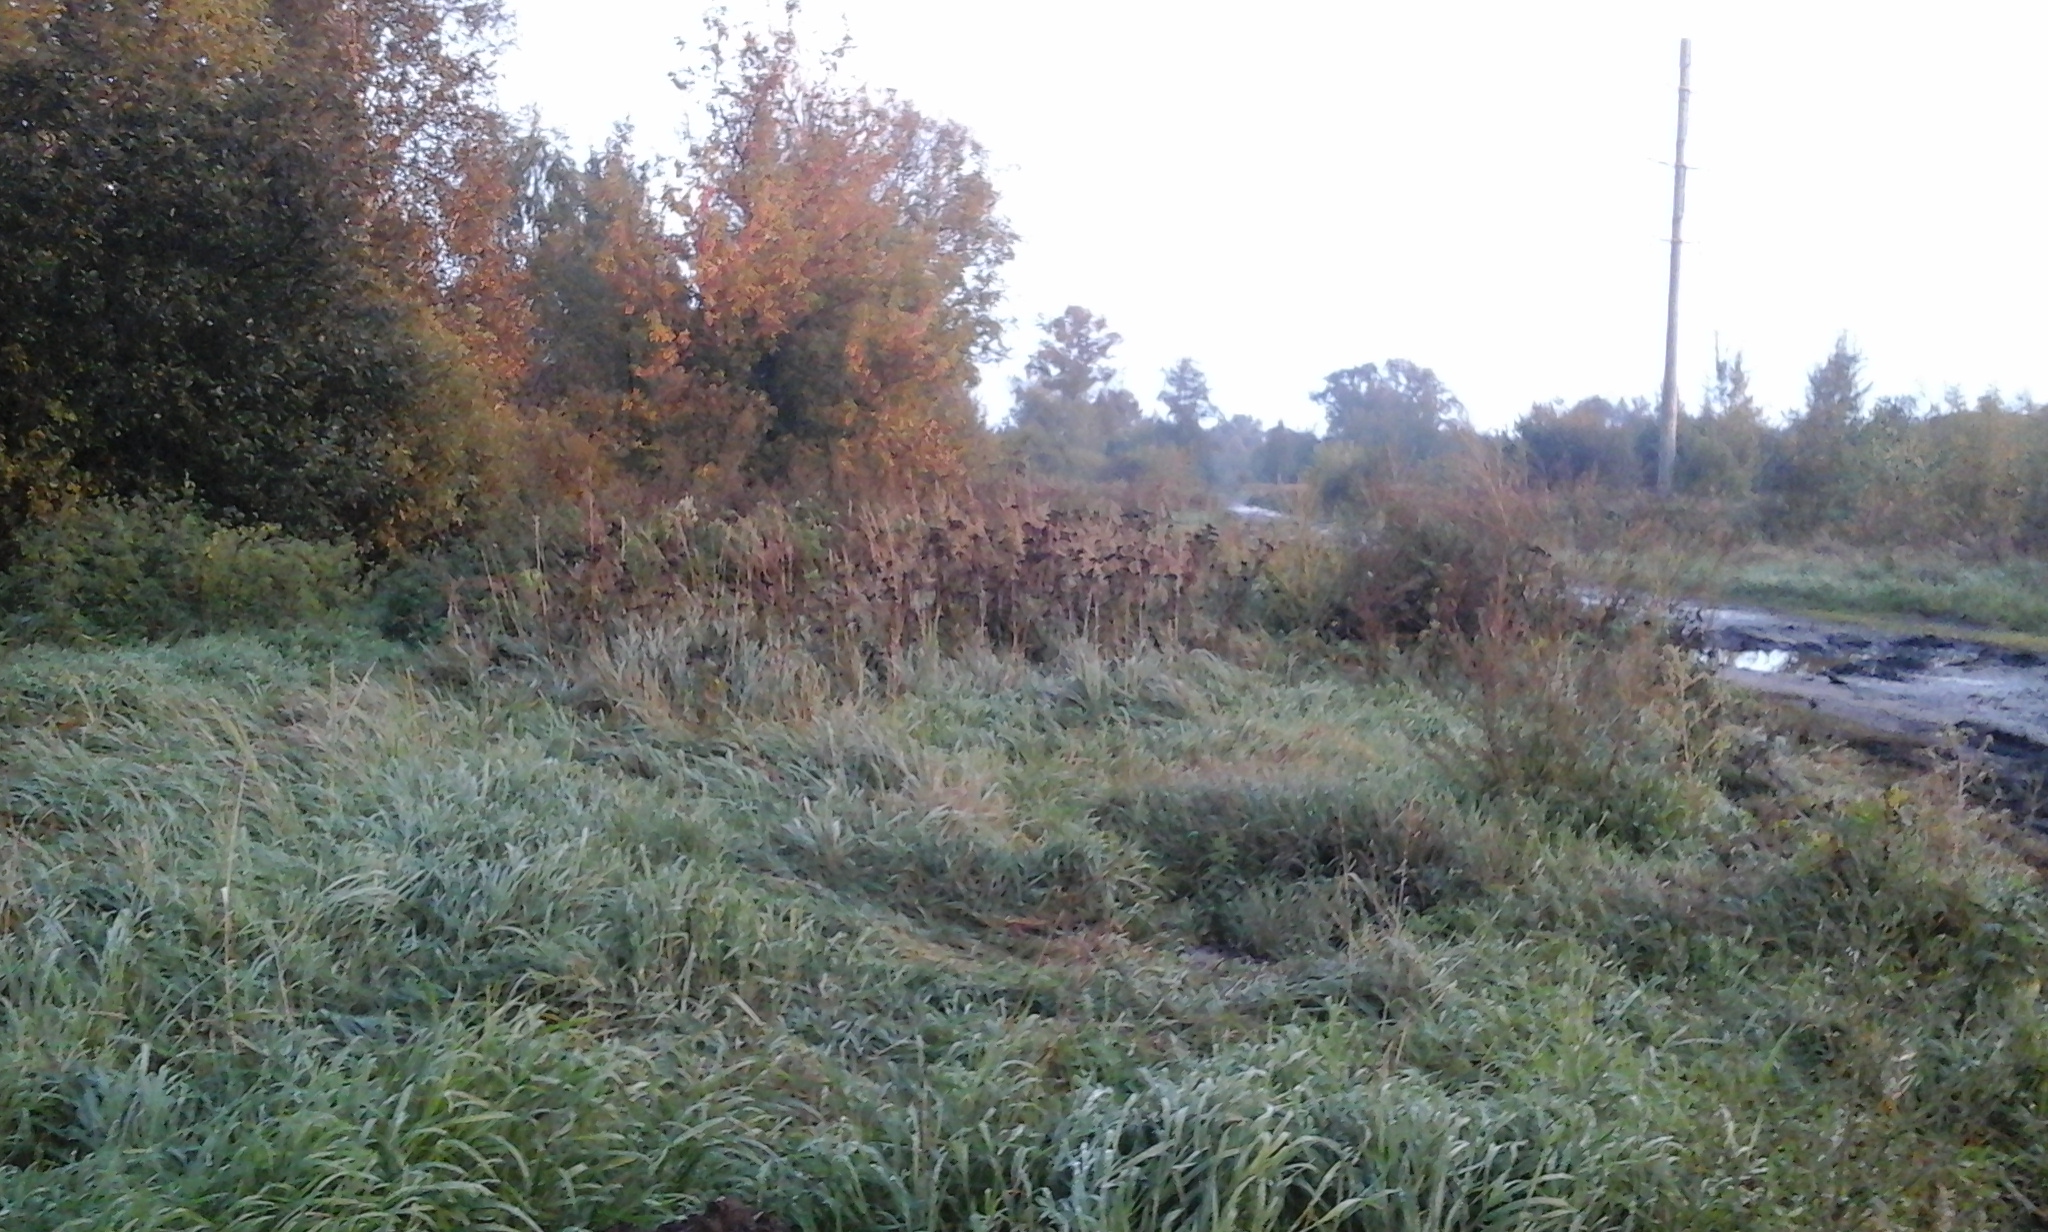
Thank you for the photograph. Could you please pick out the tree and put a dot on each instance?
(1592, 441)
(189, 295)
(1730, 394)
(1188, 406)
(1399, 413)
(1817, 475)
(601, 272)
(1073, 360)
(1069, 416)
(1835, 390)
(1230, 448)
(407, 89)
(1189, 416)
(842, 253)
(603, 283)
(1284, 455)
(1724, 444)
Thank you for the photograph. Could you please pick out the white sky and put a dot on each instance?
(1283, 189)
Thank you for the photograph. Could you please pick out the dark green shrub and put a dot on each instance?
(409, 602)
(115, 569)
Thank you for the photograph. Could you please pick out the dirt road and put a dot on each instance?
(1988, 702)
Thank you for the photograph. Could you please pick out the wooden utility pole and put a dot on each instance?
(1667, 455)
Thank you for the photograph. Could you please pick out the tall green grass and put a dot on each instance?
(1145, 940)
(1016, 868)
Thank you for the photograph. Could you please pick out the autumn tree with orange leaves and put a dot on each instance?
(602, 279)
(841, 252)
(285, 258)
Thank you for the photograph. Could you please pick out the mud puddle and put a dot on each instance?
(1988, 703)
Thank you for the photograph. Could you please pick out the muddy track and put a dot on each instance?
(1986, 703)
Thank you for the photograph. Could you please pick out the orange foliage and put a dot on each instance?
(842, 252)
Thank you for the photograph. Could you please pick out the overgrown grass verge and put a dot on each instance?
(2010, 594)
(1951, 587)
(1138, 940)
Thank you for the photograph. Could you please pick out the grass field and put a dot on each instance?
(334, 935)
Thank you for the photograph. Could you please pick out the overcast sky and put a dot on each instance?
(1287, 188)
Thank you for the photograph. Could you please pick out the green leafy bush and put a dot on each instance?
(115, 570)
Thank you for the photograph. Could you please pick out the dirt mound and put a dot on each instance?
(723, 1215)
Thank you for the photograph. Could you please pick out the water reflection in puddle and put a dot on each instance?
(1759, 660)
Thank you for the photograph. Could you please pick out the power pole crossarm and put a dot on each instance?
(1667, 454)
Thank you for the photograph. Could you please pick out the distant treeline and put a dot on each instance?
(1883, 470)
(1891, 469)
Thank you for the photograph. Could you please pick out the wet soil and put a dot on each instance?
(1986, 703)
